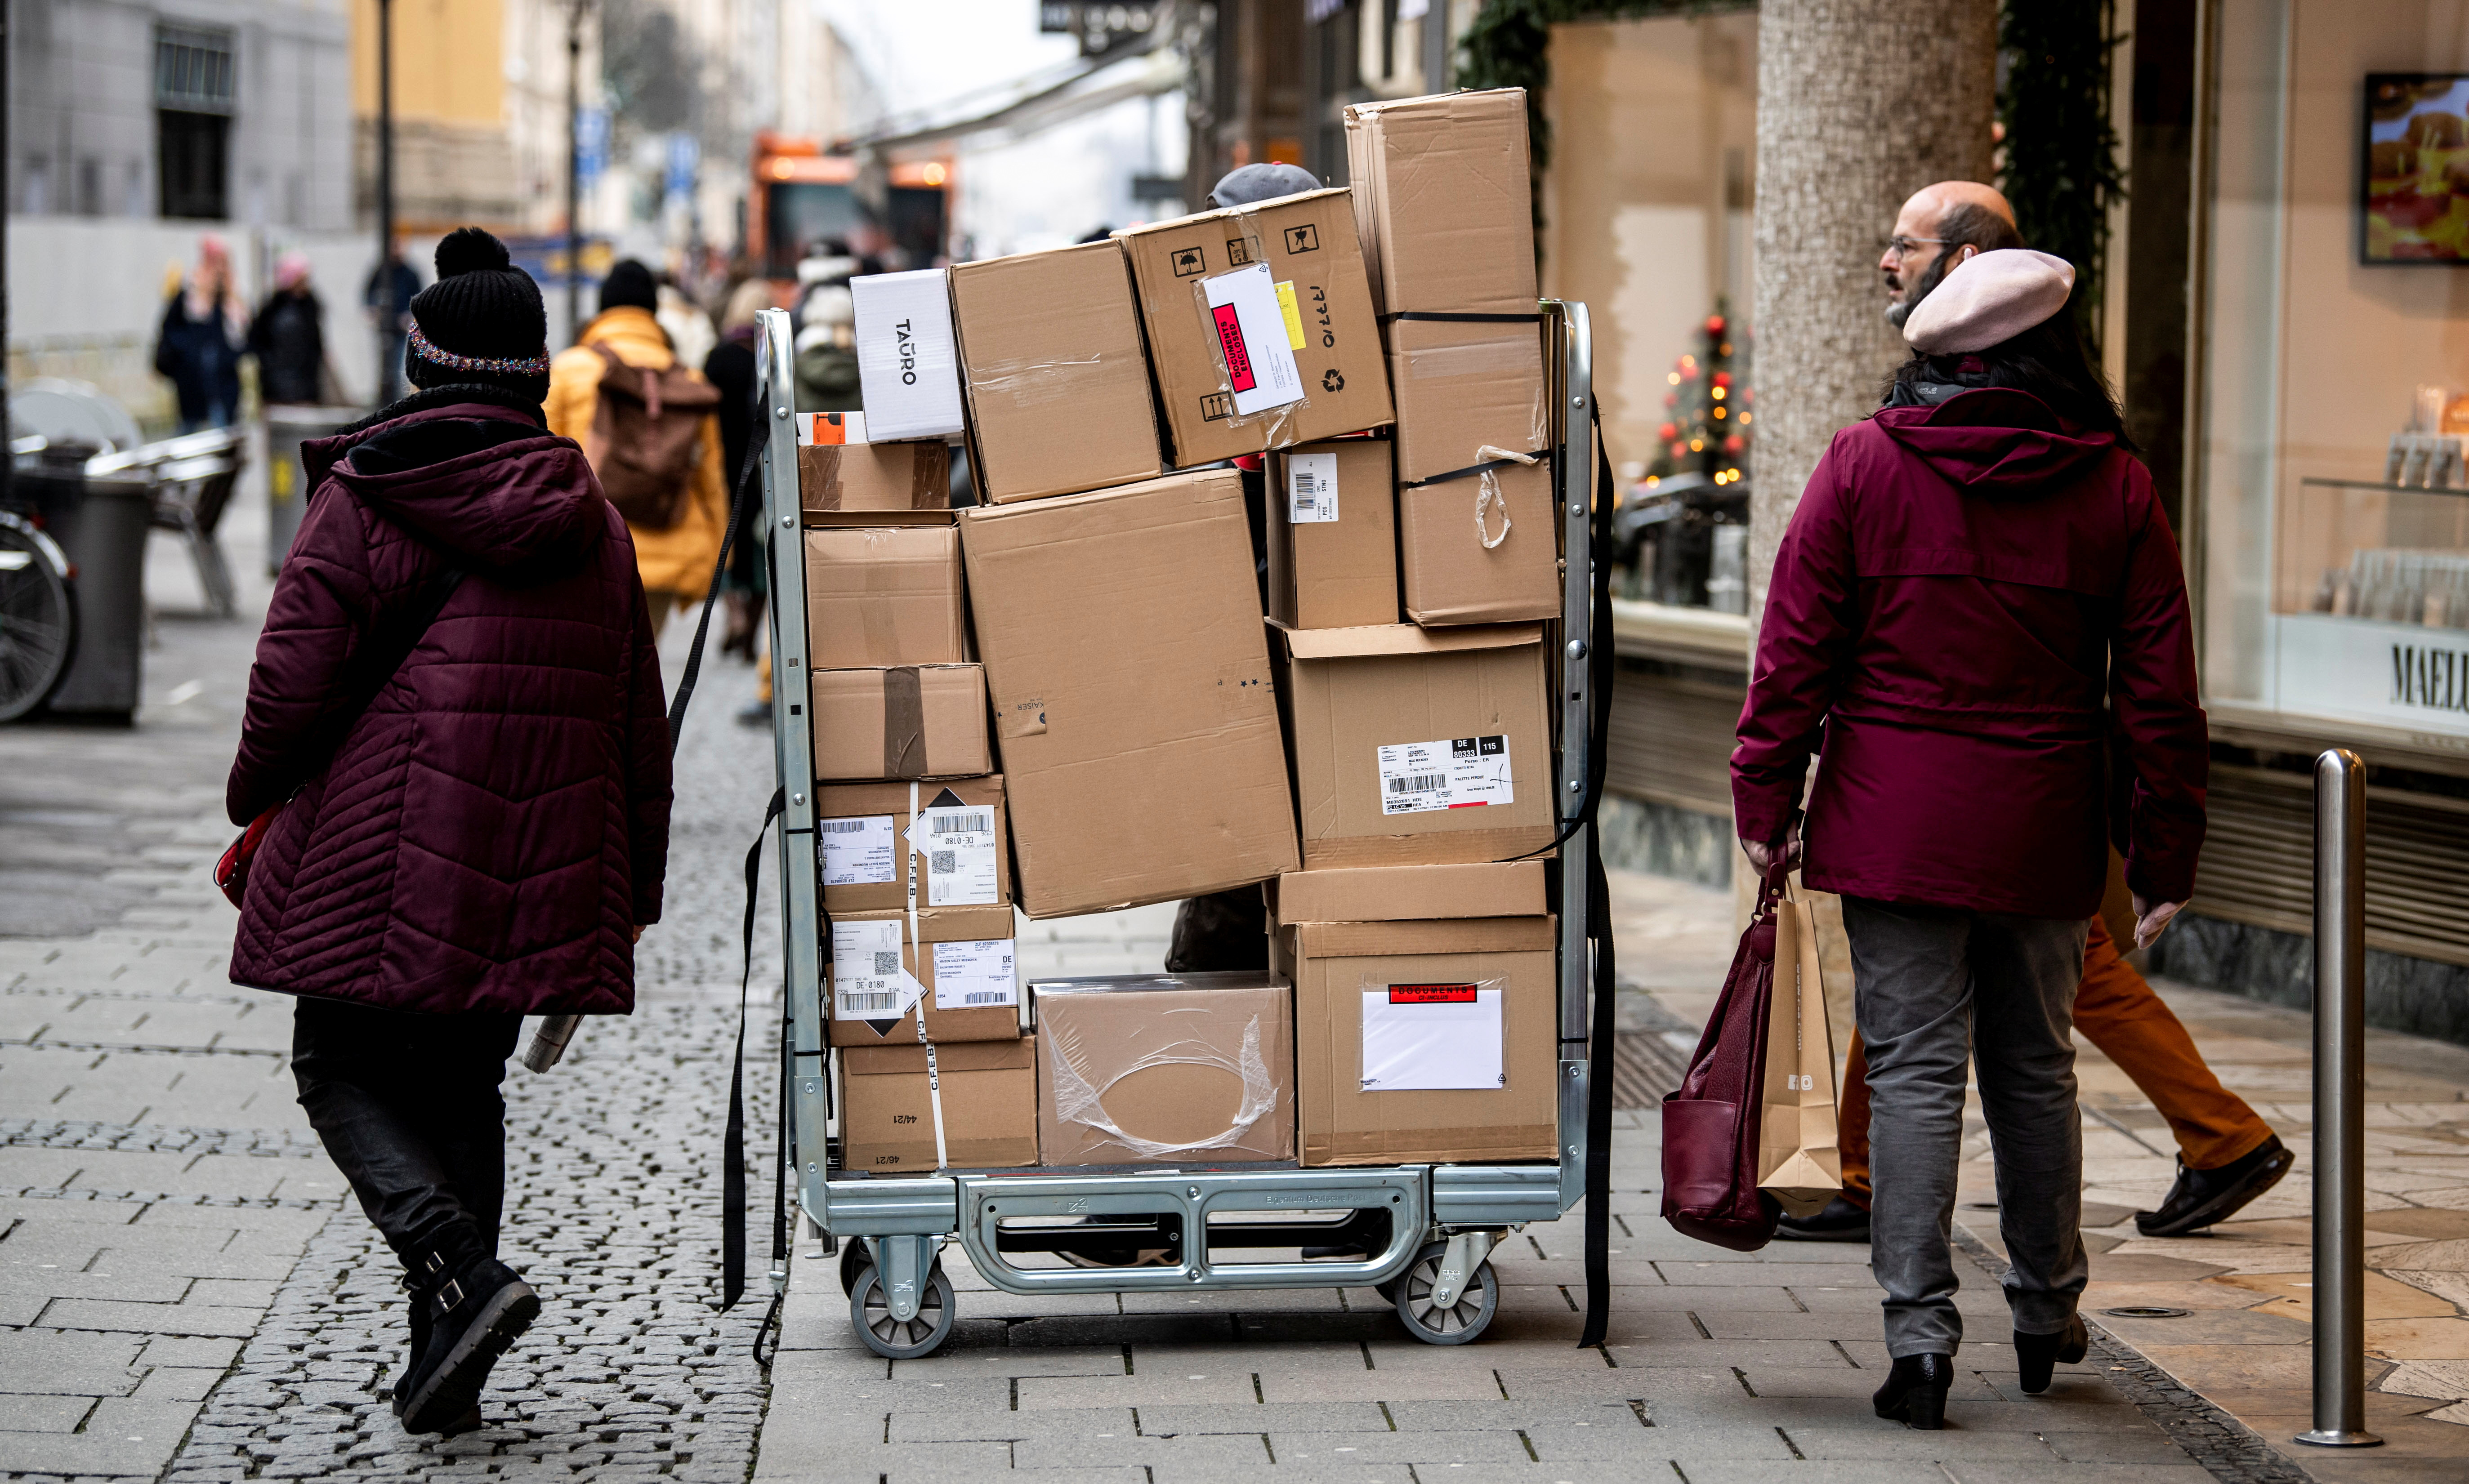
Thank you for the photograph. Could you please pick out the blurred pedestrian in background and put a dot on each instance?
(688, 327)
(456, 746)
(289, 339)
(731, 367)
(386, 299)
(1968, 572)
(826, 323)
(199, 345)
(675, 546)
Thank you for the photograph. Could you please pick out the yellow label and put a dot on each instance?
(1294, 316)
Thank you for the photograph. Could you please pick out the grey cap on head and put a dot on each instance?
(1250, 183)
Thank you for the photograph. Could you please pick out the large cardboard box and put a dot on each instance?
(1201, 300)
(906, 366)
(1334, 536)
(989, 1097)
(1419, 747)
(862, 844)
(875, 484)
(1444, 200)
(1425, 1040)
(967, 980)
(889, 595)
(1451, 577)
(901, 722)
(1057, 384)
(1381, 894)
(1163, 1069)
(1123, 646)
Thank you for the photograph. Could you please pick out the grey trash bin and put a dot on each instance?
(103, 533)
(287, 481)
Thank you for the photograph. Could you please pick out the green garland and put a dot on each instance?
(2053, 102)
(2060, 151)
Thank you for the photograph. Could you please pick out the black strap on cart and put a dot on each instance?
(1599, 914)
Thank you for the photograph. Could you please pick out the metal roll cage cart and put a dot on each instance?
(1419, 1233)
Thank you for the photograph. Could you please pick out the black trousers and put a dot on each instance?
(408, 1108)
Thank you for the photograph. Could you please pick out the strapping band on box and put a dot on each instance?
(1438, 318)
(1472, 471)
(1077, 1101)
(934, 1076)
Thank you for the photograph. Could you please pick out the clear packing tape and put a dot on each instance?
(1078, 1099)
(1030, 381)
(1275, 423)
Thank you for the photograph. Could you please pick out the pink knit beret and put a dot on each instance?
(1988, 299)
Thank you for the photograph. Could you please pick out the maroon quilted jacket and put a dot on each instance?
(496, 821)
(1959, 588)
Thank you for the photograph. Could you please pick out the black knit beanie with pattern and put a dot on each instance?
(481, 323)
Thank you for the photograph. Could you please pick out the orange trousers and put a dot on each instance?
(2116, 1012)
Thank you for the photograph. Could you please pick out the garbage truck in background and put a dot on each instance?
(898, 212)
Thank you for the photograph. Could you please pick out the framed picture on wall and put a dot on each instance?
(2415, 184)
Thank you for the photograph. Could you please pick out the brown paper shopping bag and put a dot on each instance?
(1798, 1161)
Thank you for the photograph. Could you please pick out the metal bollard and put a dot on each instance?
(2340, 1103)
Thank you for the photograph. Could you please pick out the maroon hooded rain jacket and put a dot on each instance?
(496, 822)
(1958, 588)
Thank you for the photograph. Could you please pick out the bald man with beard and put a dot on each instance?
(2226, 1154)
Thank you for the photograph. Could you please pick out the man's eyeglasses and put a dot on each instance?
(1902, 246)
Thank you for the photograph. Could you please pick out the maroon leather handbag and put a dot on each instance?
(1710, 1123)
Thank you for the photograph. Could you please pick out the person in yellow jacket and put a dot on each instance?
(676, 563)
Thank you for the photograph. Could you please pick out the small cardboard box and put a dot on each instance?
(1381, 894)
(885, 596)
(967, 979)
(1057, 384)
(989, 1097)
(1419, 746)
(875, 484)
(1122, 642)
(1199, 304)
(1463, 388)
(1443, 199)
(1425, 1040)
(905, 365)
(901, 722)
(1451, 577)
(1163, 1069)
(861, 844)
(1334, 536)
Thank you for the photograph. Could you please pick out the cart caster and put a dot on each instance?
(903, 1340)
(1468, 1314)
(855, 1259)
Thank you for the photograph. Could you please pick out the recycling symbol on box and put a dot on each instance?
(1332, 380)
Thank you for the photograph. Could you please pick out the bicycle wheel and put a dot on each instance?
(37, 619)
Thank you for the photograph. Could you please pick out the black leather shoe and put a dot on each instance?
(2202, 1198)
(477, 1308)
(1840, 1222)
(1915, 1391)
(2037, 1356)
(469, 1422)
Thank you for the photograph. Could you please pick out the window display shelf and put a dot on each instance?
(2370, 610)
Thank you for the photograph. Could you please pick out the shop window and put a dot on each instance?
(195, 89)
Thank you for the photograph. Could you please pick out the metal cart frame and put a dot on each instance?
(1443, 1219)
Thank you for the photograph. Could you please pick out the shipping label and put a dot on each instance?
(1461, 772)
(858, 851)
(959, 844)
(869, 981)
(971, 975)
(1311, 487)
(1250, 327)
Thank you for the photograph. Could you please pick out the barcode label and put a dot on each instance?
(844, 826)
(942, 862)
(973, 976)
(1455, 773)
(869, 981)
(887, 963)
(959, 844)
(858, 851)
(858, 1002)
(1311, 487)
(955, 823)
(986, 998)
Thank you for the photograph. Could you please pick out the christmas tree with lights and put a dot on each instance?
(1708, 412)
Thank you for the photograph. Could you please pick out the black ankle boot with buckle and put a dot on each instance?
(1915, 1391)
(2037, 1356)
(475, 1307)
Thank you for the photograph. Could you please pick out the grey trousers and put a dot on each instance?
(1933, 986)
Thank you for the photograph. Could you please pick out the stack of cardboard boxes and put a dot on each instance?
(1377, 755)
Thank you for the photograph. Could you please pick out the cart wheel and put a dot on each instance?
(898, 1340)
(856, 1257)
(1470, 1316)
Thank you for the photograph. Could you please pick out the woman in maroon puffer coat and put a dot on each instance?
(1971, 574)
(483, 839)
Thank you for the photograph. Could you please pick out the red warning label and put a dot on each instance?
(1431, 994)
(1229, 340)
